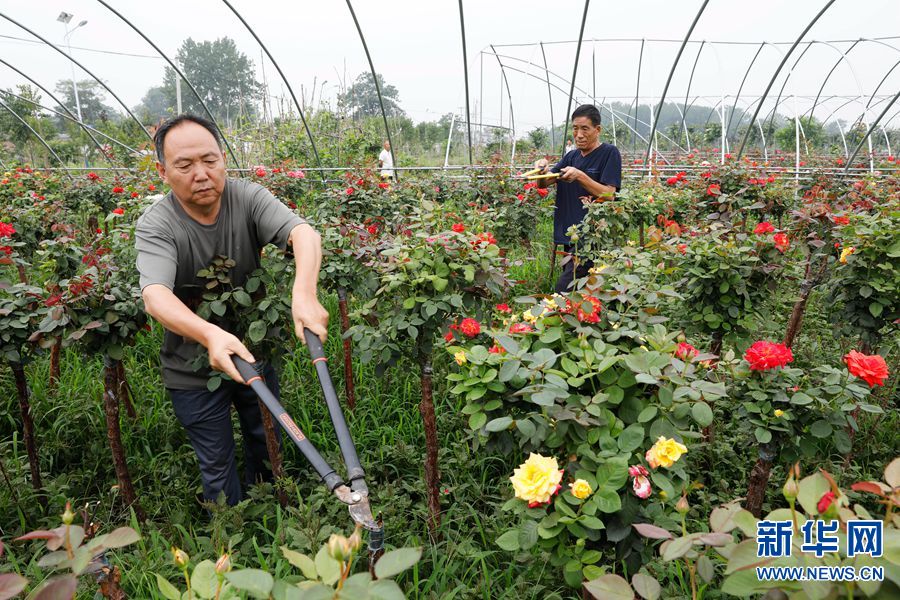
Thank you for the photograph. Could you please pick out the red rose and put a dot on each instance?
(496, 349)
(542, 192)
(682, 248)
(592, 315)
(727, 155)
(842, 220)
(685, 351)
(713, 190)
(448, 337)
(470, 327)
(873, 369)
(118, 190)
(504, 308)
(349, 191)
(6, 229)
(7, 250)
(134, 194)
(119, 211)
(484, 238)
(763, 228)
(383, 185)
(672, 180)
(771, 179)
(360, 182)
(93, 176)
(260, 172)
(825, 502)
(520, 197)
(458, 227)
(372, 229)
(292, 205)
(520, 328)
(529, 186)
(782, 242)
(151, 187)
(752, 181)
(763, 355)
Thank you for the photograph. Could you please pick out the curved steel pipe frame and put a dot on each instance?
(462, 28)
(784, 83)
(62, 105)
(35, 134)
(637, 94)
(287, 84)
(550, 98)
(869, 132)
(827, 77)
(687, 94)
(387, 129)
(179, 73)
(587, 4)
(741, 87)
(662, 98)
(512, 117)
(83, 68)
(778, 70)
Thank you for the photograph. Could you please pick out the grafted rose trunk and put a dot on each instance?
(274, 449)
(756, 487)
(114, 436)
(53, 377)
(125, 390)
(27, 425)
(432, 476)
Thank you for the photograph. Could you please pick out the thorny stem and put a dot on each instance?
(187, 580)
(792, 503)
(68, 544)
(692, 572)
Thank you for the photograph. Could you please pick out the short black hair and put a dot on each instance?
(159, 138)
(587, 110)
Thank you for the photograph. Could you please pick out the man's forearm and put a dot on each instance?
(307, 246)
(164, 306)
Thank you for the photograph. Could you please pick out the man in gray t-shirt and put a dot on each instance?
(208, 214)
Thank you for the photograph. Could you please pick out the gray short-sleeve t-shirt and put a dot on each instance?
(172, 247)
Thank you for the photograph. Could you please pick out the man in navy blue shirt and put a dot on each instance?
(590, 172)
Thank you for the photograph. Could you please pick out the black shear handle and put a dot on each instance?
(355, 473)
(252, 377)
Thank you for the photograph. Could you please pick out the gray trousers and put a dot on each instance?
(206, 417)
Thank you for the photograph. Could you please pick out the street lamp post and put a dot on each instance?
(65, 18)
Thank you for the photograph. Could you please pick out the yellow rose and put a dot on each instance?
(581, 489)
(550, 304)
(529, 317)
(537, 479)
(665, 452)
(779, 412)
(845, 253)
(460, 357)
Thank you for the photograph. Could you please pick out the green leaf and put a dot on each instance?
(677, 548)
(591, 522)
(509, 541)
(632, 437)
(705, 568)
(257, 331)
(528, 535)
(385, 589)
(242, 298)
(329, 569)
(702, 414)
(763, 435)
(811, 489)
(301, 561)
(876, 309)
(395, 562)
(167, 589)
(255, 582)
(609, 587)
(821, 429)
(11, 584)
(647, 414)
(120, 537)
(508, 370)
(647, 587)
(204, 580)
(607, 500)
(477, 421)
(218, 307)
(499, 424)
(440, 284)
(613, 473)
(572, 573)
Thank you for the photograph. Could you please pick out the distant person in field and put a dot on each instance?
(207, 214)
(592, 171)
(386, 161)
(569, 146)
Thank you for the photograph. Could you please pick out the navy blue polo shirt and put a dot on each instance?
(603, 164)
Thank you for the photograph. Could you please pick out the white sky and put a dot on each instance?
(416, 45)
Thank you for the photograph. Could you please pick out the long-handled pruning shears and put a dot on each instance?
(353, 492)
